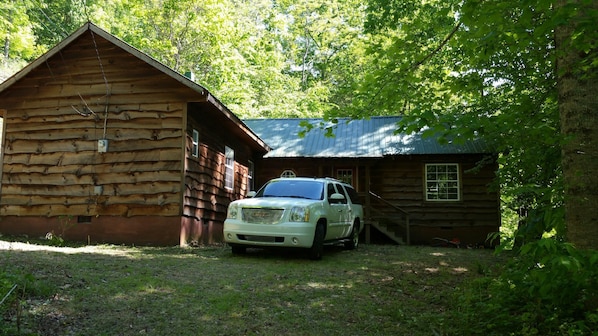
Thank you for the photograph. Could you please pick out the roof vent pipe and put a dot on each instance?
(190, 75)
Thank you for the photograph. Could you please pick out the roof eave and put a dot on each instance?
(118, 42)
(237, 121)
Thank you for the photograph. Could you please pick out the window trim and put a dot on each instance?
(229, 168)
(288, 173)
(455, 183)
(250, 173)
(351, 172)
(195, 143)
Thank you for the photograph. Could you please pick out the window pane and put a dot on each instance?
(345, 175)
(195, 145)
(229, 173)
(442, 182)
(288, 173)
(250, 172)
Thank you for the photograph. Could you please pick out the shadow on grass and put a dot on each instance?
(120, 290)
(330, 251)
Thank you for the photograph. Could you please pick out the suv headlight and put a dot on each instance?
(299, 214)
(233, 211)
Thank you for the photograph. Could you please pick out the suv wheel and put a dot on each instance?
(317, 248)
(353, 240)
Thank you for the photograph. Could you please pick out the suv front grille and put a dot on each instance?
(262, 215)
(261, 239)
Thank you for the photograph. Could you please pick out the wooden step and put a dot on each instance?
(393, 236)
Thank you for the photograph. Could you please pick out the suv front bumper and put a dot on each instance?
(286, 234)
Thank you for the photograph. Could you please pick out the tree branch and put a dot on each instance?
(423, 60)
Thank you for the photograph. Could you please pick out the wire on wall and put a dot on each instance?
(105, 83)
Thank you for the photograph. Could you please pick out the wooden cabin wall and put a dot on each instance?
(52, 166)
(267, 169)
(400, 181)
(205, 198)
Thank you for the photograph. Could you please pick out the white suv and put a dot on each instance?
(296, 212)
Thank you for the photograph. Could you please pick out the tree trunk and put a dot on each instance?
(6, 47)
(578, 109)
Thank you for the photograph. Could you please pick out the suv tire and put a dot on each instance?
(317, 248)
(353, 240)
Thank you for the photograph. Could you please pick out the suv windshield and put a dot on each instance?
(293, 188)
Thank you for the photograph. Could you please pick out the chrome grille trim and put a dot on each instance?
(262, 215)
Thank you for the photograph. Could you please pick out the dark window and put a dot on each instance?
(352, 195)
(250, 172)
(336, 188)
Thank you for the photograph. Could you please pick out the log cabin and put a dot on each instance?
(102, 143)
(414, 188)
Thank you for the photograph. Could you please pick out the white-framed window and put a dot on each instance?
(442, 182)
(195, 146)
(229, 168)
(250, 172)
(288, 173)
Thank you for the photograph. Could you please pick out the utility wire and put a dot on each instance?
(105, 83)
(58, 28)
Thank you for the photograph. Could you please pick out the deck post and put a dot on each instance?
(367, 212)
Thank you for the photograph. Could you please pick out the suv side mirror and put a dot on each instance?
(251, 194)
(336, 198)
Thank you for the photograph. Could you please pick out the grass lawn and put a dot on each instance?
(121, 290)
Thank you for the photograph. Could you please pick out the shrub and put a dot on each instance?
(14, 288)
(550, 288)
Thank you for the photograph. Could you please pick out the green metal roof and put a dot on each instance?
(365, 138)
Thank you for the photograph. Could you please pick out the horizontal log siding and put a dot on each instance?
(401, 182)
(205, 197)
(51, 162)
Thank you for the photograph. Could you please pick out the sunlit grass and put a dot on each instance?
(118, 290)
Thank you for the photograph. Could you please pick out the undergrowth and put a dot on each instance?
(14, 288)
(549, 288)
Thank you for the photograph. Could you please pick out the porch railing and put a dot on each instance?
(387, 218)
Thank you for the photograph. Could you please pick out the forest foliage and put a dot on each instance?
(261, 58)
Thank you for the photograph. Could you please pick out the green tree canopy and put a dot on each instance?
(471, 68)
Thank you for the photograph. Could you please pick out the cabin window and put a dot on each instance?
(229, 174)
(345, 175)
(442, 182)
(250, 169)
(288, 173)
(195, 147)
